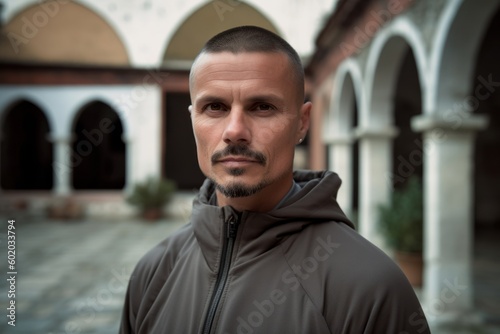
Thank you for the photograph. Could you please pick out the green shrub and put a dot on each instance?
(153, 193)
(401, 221)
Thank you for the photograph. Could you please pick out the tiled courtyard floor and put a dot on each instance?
(72, 276)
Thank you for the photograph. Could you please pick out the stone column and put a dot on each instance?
(1, 140)
(448, 215)
(340, 161)
(129, 164)
(62, 165)
(375, 166)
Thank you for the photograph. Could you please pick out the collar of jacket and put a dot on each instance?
(260, 232)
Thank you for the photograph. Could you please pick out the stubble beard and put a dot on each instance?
(238, 189)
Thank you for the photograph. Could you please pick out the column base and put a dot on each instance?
(457, 323)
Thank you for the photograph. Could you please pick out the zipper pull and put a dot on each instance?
(232, 227)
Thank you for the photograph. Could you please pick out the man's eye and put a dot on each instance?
(264, 107)
(214, 107)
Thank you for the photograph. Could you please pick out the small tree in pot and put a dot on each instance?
(401, 222)
(151, 195)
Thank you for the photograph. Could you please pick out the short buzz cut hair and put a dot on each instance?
(256, 39)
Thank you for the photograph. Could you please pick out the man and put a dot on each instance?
(267, 250)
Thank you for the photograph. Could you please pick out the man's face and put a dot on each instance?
(247, 119)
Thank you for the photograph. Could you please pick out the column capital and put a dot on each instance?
(458, 123)
(386, 132)
(339, 139)
(58, 139)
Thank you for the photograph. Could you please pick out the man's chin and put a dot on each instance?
(239, 188)
(236, 190)
(236, 171)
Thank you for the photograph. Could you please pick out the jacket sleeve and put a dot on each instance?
(136, 291)
(147, 279)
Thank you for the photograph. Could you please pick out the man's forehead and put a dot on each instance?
(210, 68)
(271, 68)
(235, 60)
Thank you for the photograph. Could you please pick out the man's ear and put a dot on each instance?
(305, 119)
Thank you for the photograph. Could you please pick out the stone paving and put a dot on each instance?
(72, 276)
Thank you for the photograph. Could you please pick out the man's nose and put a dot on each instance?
(237, 129)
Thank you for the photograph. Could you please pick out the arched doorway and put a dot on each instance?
(26, 153)
(98, 150)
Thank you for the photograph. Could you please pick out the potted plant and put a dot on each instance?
(151, 195)
(65, 208)
(401, 222)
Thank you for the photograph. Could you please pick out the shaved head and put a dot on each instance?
(254, 39)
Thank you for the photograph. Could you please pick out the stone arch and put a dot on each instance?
(348, 88)
(389, 50)
(98, 150)
(340, 132)
(208, 20)
(55, 32)
(26, 152)
(385, 55)
(458, 38)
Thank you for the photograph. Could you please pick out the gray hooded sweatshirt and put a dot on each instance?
(300, 268)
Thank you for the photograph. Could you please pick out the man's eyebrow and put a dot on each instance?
(271, 98)
(265, 98)
(208, 98)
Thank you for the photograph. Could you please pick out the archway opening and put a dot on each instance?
(485, 100)
(26, 153)
(181, 163)
(343, 151)
(408, 154)
(355, 162)
(348, 117)
(98, 150)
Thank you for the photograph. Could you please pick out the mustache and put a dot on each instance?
(239, 150)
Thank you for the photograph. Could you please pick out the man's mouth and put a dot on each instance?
(237, 161)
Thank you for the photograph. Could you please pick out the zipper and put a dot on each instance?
(225, 262)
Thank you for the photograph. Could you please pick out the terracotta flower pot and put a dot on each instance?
(412, 266)
(152, 214)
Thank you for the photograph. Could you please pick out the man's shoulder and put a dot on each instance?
(374, 292)
(164, 254)
(355, 259)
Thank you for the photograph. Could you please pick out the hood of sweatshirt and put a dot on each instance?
(258, 232)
